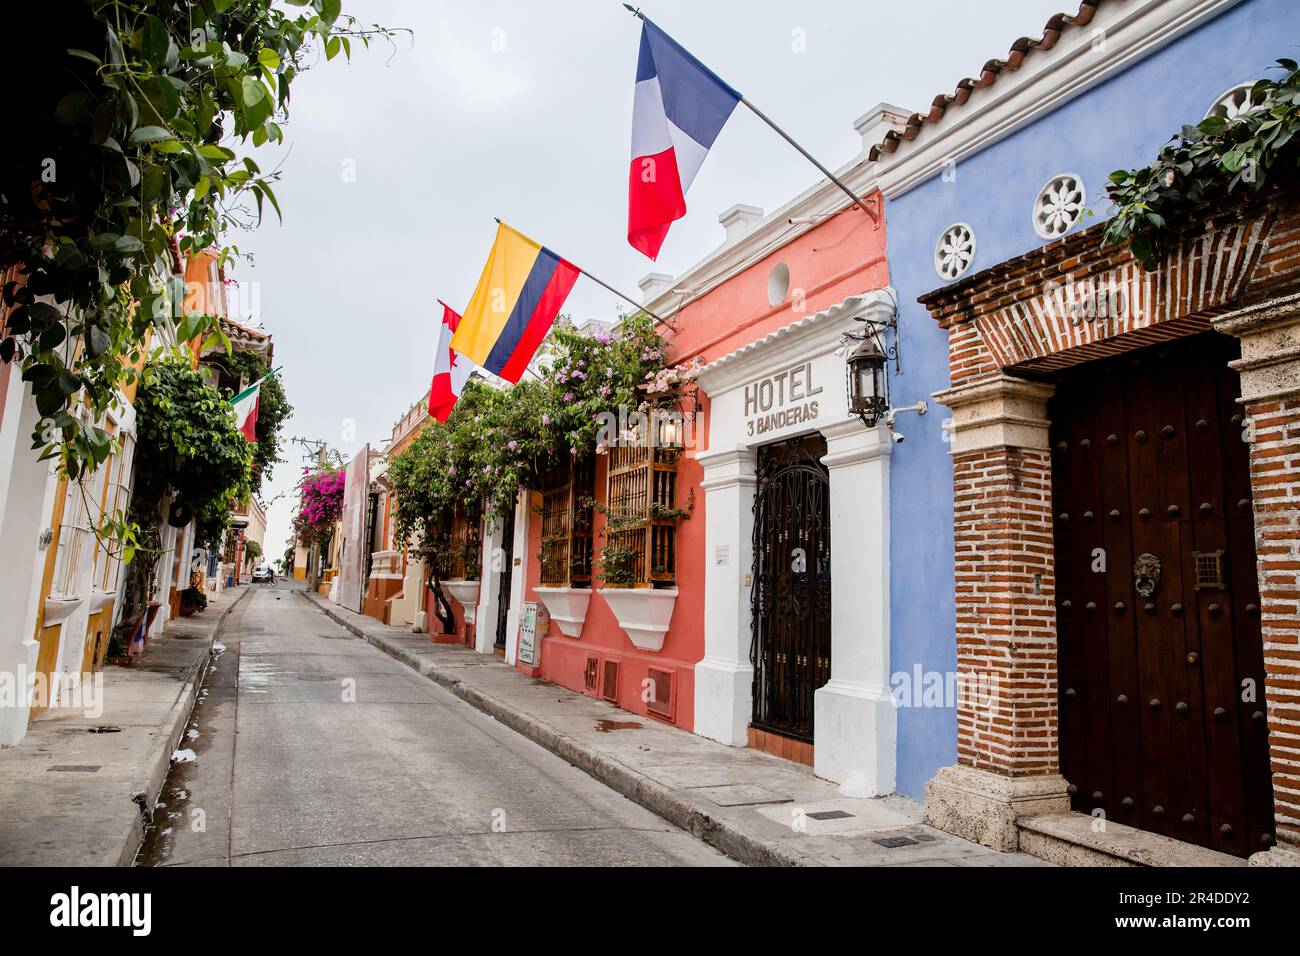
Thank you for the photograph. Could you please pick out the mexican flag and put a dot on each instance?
(245, 405)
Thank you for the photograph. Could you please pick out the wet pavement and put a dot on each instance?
(310, 747)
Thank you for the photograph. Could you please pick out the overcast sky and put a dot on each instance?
(397, 162)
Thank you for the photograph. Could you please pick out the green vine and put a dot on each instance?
(273, 409)
(1206, 164)
(499, 441)
(188, 450)
(122, 160)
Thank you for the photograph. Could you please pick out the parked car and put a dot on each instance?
(263, 574)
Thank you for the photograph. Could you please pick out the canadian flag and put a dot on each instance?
(451, 370)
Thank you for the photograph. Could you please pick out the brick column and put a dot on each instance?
(1007, 765)
(1270, 393)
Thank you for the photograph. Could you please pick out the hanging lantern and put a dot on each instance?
(670, 429)
(868, 386)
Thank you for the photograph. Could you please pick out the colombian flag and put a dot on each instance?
(522, 289)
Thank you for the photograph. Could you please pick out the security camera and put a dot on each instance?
(898, 437)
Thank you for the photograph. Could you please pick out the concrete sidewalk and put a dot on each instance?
(756, 808)
(72, 794)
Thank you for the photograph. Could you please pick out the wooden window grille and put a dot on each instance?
(466, 542)
(641, 510)
(567, 488)
(75, 536)
(117, 500)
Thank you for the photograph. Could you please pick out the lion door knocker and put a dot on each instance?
(1146, 574)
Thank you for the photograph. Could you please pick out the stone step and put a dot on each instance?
(1069, 839)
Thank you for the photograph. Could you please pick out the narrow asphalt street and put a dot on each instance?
(313, 748)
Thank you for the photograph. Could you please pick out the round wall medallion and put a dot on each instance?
(955, 251)
(1059, 206)
(778, 284)
(1232, 103)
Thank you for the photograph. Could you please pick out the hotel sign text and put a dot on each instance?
(780, 400)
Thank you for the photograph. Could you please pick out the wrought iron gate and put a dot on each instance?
(791, 591)
(507, 574)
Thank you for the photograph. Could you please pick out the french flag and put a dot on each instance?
(680, 108)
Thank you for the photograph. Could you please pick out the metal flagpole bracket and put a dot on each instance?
(875, 330)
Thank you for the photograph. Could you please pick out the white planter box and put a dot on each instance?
(642, 613)
(464, 593)
(567, 607)
(58, 610)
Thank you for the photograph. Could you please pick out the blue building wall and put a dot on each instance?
(1121, 123)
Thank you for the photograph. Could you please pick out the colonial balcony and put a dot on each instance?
(386, 565)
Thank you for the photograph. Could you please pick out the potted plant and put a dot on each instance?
(193, 599)
(617, 565)
(119, 646)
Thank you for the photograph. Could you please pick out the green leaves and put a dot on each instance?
(147, 134)
(1206, 164)
(149, 116)
(188, 446)
(73, 108)
(154, 41)
(498, 441)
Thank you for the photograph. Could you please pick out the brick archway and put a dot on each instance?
(1009, 328)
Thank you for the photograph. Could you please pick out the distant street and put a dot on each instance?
(311, 747)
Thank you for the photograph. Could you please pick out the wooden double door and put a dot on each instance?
(1161, 671)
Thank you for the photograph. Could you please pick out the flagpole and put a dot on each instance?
(600, 282)
(257, 383)
(857, 200)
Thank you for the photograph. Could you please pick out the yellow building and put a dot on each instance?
(57, 618)
(58, 604)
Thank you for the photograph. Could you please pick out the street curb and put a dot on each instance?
(636, 786)
(147, 799)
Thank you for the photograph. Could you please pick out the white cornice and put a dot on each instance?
(1046, 80)
(818, 202)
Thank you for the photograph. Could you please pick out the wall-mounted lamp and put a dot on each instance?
(670, 430)
(868, 382)
(867, 375)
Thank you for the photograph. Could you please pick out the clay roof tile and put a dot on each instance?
(989, 74)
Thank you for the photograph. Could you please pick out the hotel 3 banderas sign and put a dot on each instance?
(784, 398)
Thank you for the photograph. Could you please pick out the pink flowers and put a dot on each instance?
(320, 506)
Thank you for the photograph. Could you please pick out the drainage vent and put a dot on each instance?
(891, 843)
